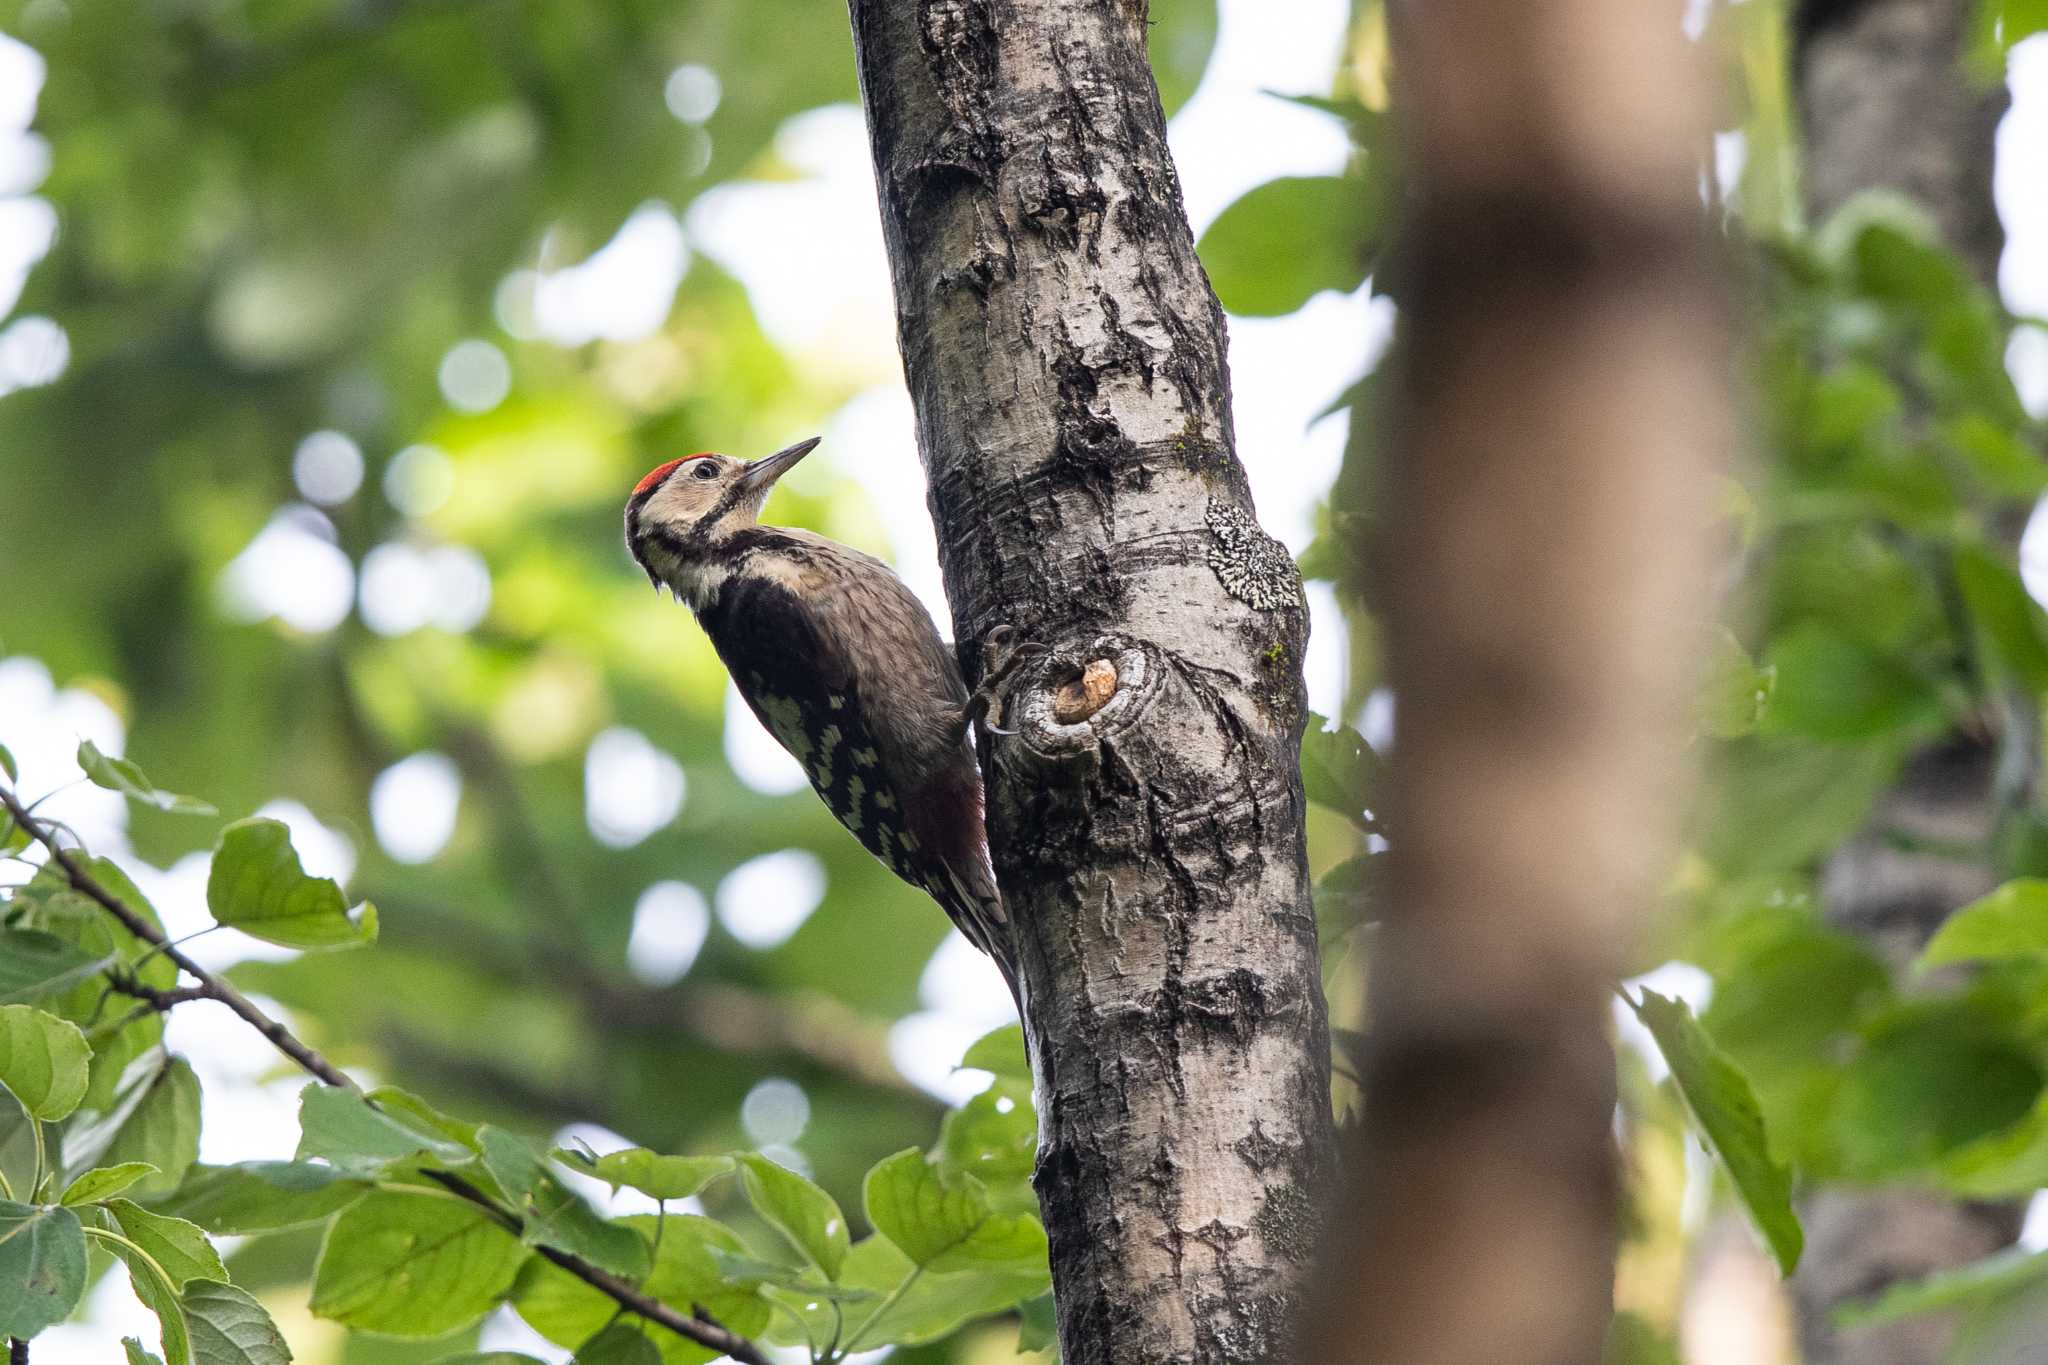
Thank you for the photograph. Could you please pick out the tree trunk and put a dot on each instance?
(1885, 102)
(1066, 359)
(1559, 398)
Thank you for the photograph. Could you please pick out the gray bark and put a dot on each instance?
(1559, 399)
(1884, 102)
(1065, 356)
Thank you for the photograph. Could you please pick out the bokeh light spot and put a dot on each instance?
(293, 571)
(413, 805)
(406, 586)
(33, 352)
(766, 899)
(419, 480)
(328, 467)
(670, 921)
(475, 376)
(630, 788)
(691, 92)
(775, 1111)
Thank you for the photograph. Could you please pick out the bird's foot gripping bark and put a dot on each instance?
(1002, 655)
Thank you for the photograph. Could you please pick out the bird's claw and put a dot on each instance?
(1002, 655)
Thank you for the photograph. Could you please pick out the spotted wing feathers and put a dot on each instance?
(923, 821)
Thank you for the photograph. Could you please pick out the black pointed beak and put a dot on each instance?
(762, 473)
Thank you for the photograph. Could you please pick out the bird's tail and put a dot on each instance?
(975, 906)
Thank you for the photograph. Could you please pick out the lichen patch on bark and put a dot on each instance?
(1254, 568)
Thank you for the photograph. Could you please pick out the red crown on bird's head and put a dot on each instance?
(662, 471)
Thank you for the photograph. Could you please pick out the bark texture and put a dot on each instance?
(1559, 399)
(1885, 103)
(1065, 356)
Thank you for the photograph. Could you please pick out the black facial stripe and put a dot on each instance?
(734, 493)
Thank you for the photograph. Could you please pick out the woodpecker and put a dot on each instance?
(843, 666)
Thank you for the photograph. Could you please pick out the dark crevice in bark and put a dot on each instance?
(1065, 357)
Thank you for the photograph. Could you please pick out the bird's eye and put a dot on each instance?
(704, 470)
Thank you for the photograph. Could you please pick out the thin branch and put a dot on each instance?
(700, 1329)
(136, 923)
(126, 983)
(17, 1351)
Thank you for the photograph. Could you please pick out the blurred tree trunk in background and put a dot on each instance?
(1885, 101)
(1066, 359)
(1560, 396)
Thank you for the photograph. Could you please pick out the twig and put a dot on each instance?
(86, 884)
(700, 1329)
(127, 983)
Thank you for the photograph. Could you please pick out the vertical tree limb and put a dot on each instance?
(1066, 359)
(1559, 397)
(1885, 102)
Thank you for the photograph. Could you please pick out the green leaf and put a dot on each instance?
(946, 1224)
(156, 1120)
(2010, 922)
(804, 1214)
(656, 1176)
(742, 1269)
(410, 1108)
(2006, 623)
(1976, 1283)
(35, 964)
(1179, 40)
(1338, 768)
(2006, 1164)
(1001, 1051)
(105, 1181)
(230, 1328)
(1735, 692)
(489, 1358)
(619, 1344)
(153, 1288)
(1934, 1078)
(119, 775)
(994, 1138)
(138, 1354)
(2003, 462)
(1285, 241)
(1832, 686)
(569, 1312)
(261, 1196)
(7, 765)
(552, 1213)
(1349, 894)
(1844, 407)
(179, 1247)
(909, 1307)
(1039, 1327)
(413, 1265)
(258, 886)
(1777, 802)
(44, 1061)
(343, 1128)
(1725, 1108)
(42, 1267)
(1632, 1341)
